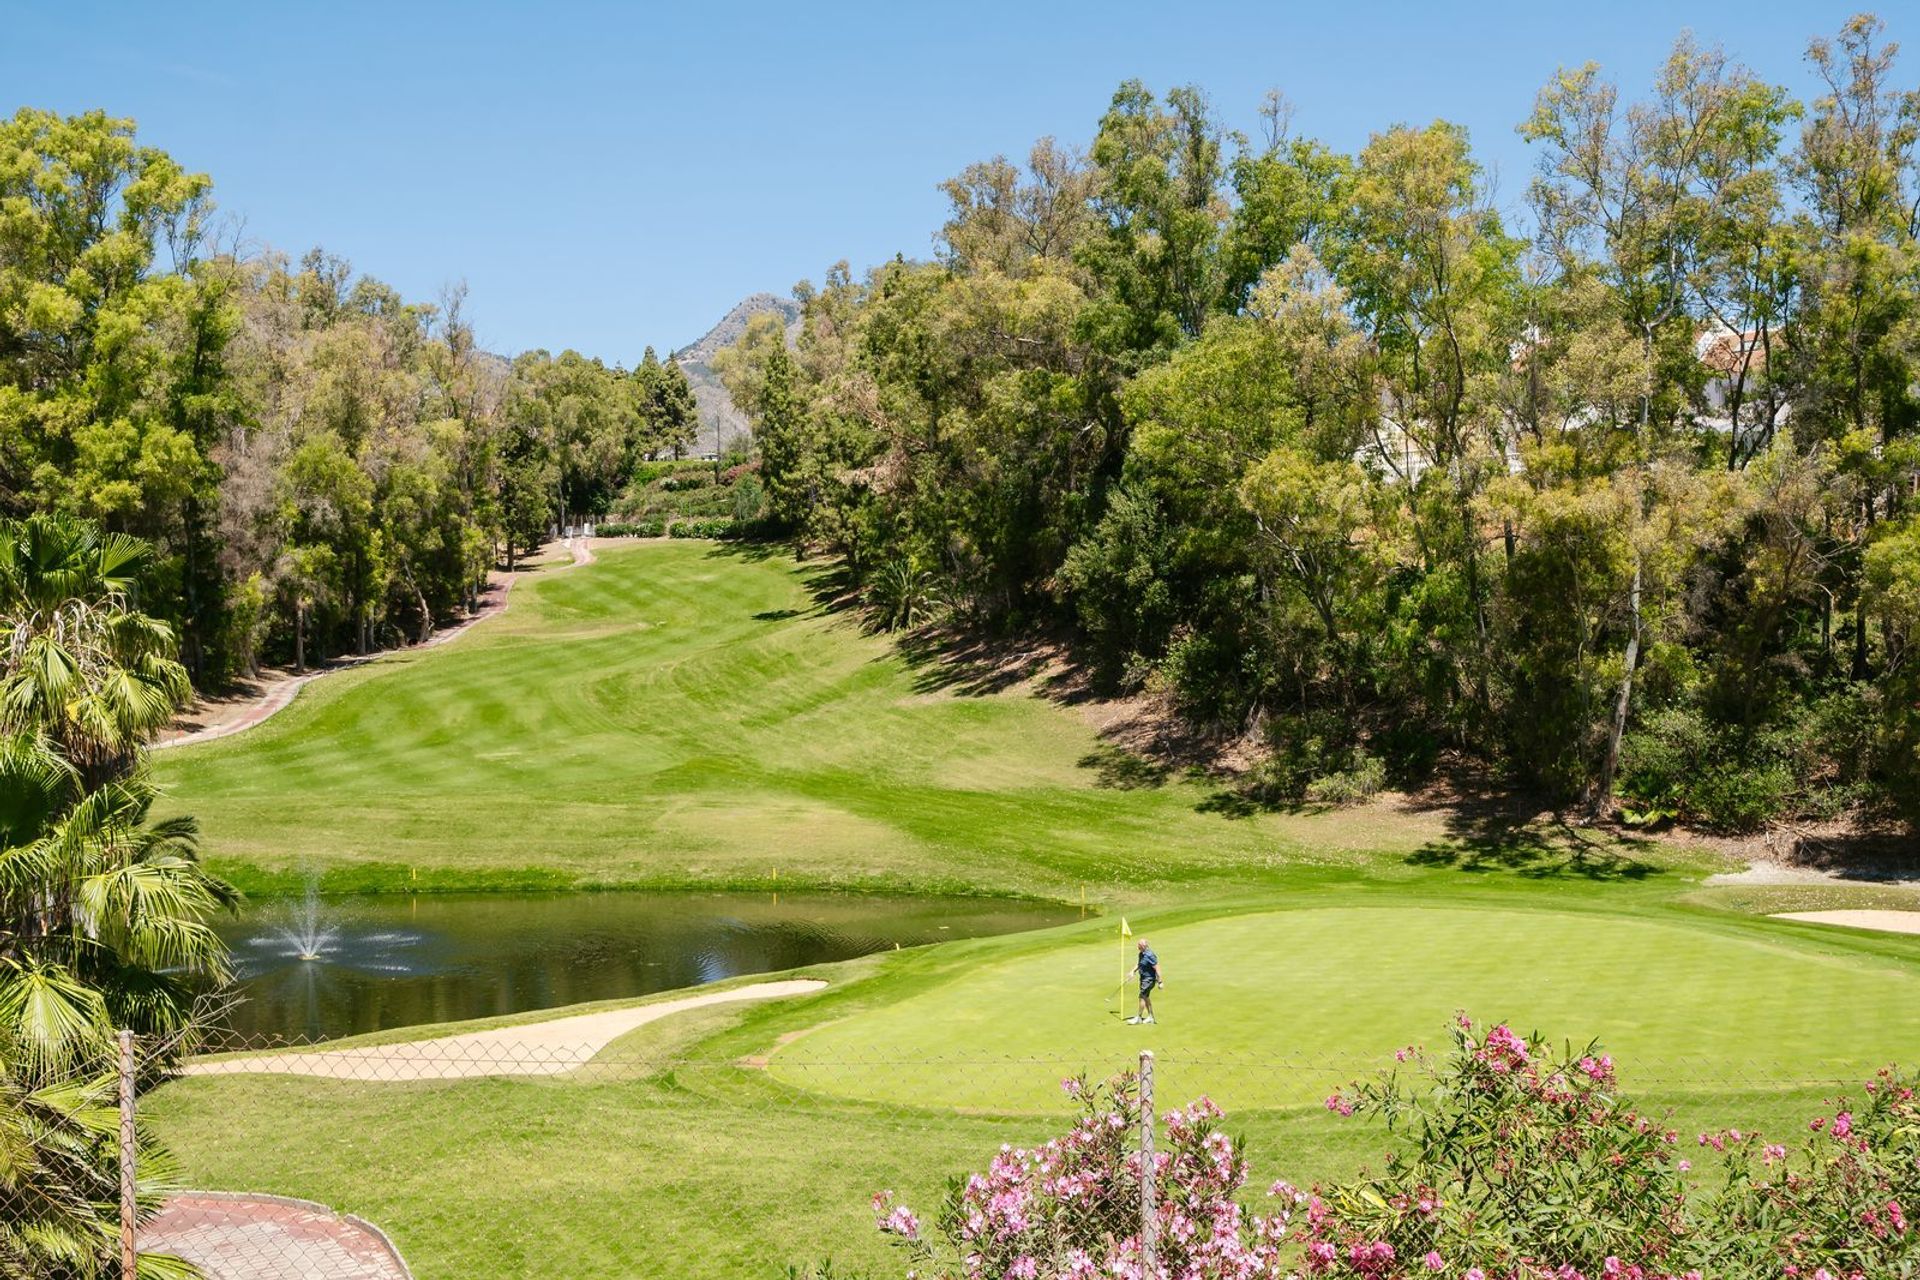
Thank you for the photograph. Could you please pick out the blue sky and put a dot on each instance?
(608, 176)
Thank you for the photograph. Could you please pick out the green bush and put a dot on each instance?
(749, 498)
(1678, 764)
(686, 480)
(1363, 778)
(713, 528)
(631, 529)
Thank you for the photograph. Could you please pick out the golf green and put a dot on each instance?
(1274, 1008)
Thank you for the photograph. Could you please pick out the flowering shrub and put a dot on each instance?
(1524, 1164)
(1512, 1162)
(1515, 1163)
(1070, 1209)
(1838, 1208)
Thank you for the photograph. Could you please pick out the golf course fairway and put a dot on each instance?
(684, 714)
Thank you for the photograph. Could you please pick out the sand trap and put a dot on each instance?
(1885, 921)
(533, 1049)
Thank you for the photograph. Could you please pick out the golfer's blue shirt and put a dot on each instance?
(1149, 969)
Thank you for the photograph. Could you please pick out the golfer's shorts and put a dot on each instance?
(1146, 988)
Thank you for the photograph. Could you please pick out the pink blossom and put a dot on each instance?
(1434, 1261)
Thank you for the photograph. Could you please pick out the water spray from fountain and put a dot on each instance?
(310, 931)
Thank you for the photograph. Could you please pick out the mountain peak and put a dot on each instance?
(721, 421)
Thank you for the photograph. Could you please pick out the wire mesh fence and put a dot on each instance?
(491, 1155)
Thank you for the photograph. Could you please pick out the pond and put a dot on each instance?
(319, 968)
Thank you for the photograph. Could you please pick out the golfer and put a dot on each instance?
(1148, 967)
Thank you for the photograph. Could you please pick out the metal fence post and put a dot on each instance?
(129, 1209)
(1149, 1212)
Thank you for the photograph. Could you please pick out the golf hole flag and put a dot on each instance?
(1126, 969)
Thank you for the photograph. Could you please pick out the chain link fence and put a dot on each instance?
(486, 1155)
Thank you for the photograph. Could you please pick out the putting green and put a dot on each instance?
(1275, 1008)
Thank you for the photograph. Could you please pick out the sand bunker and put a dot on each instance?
(1885, 921)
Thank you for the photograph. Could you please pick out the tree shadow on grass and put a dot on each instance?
(1117, 769)
(1489, 830)
(825, 581)
(1239, 802)
(976, 664)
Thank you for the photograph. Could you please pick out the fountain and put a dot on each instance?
(309, 932)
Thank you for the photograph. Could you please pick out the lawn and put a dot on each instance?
(689, 714)
(685, 713)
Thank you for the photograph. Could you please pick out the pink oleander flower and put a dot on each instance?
(1843, 1124)
(1774, 1153)
(1434, 1261)
(1337, 1103)
(1474, 1273)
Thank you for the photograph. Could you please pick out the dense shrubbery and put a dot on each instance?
(631, 529)
(1510, 1162)
(1295, 436)
(714, 528)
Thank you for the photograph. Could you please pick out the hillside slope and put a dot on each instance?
(687, 713)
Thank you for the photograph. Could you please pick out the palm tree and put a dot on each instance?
(79, 664)
(59, 1181)
(103, 912)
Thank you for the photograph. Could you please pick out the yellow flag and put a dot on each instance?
(1125, 931)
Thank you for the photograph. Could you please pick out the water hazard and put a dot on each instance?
(318, 968)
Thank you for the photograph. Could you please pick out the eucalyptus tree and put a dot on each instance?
(1435, 285)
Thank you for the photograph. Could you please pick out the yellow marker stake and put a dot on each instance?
(1125, 933)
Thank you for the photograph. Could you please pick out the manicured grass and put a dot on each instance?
(686, 714)
(739, 1141)
(1339, 988)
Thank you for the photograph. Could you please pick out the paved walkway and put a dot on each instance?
(239, 1236)
(549, 1048)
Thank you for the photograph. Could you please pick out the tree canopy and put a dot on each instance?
(1332, 456)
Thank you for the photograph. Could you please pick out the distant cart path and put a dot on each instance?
(220, 718)
(548, 1048)
(240, 1236)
